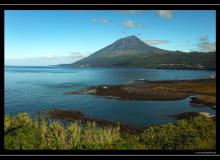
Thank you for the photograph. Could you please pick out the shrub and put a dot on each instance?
(98, 138)
(73, 135)
(24, 138)
(19, 120)
(192, 134)
(7, 123)
(23, 133)
(55, 137)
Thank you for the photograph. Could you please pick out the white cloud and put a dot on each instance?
(101, 20)
(131, 11)
(205, 45)
(132, 24)
(155, 42)
(167, 14)
(104, 20)
(50, 57)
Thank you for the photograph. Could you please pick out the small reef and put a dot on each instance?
(202, 90)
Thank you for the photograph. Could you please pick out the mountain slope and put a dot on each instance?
(132, 52)
(123, 50)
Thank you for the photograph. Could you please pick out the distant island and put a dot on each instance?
(133, 52)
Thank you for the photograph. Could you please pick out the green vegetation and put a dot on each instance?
(179, 60)
(133, 52)
(23, 133)
(173, 60)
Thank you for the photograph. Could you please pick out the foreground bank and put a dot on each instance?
(23, 133)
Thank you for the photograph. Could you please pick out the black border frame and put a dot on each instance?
(105, 152)
(109, 2)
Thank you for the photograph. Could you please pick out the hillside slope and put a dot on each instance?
(132, 52)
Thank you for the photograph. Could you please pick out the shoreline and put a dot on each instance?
(75, 115)
(196, 132)
(141, 67)
(135, 67)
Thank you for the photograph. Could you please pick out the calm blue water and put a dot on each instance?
(35, 89)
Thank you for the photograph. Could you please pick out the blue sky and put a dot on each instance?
(51, 37)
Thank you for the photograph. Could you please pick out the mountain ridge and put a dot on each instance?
(122, 48)
(133, 52)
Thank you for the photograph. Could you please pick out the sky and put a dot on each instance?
(50, 37)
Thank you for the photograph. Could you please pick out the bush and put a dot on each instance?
(23, 133)
(196, 133)
(7, 123)
(73, 135)
(17, 121)
(98, 138)
(24, 138)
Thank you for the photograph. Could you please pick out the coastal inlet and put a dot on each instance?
(98, 99)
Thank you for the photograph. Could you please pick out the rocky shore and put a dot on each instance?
(202, 90)
(72, 116)
(188, 115)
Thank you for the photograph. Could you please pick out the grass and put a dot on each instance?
(23, 133)
(34, 134)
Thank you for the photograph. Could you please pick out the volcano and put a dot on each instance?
(133, 52)
(123, 51)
